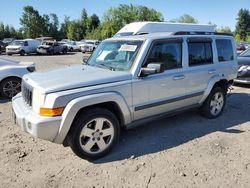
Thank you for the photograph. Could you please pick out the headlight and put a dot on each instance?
(31, 69)
(37, 98)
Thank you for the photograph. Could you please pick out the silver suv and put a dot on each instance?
(126, 81)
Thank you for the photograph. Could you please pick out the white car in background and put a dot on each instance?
(11, 73)
(72, 46)
(23, 47)
(89, 46)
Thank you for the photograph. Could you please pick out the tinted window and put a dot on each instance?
(168, 53)
(200, 53)
(224, 50)
(26, 43)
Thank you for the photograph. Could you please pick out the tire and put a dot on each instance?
(214, 105)
(9, 87)
(86, 138)
(22, 53)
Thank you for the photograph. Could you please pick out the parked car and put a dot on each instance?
(51, 47)
(244, 68)
(44, 39)
(2, 47)
(89, 46)
(8, 41)
(72, 46)
(11, 73)
(22, 47)
(125, 82)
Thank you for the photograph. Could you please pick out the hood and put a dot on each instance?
(73, 77)
(6, 64)
(13, 46)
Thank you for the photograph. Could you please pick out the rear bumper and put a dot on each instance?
(45, 128)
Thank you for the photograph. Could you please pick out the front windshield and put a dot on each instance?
(245, 53)
(17, 43)
(115, 55)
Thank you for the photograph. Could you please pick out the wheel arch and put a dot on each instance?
(215, 82)
(111, 101)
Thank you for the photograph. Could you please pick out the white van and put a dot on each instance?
(139, 28)
(23, 47)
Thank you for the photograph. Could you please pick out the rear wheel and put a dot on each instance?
(22, 53)
(215, 103)
(94, 133)
(10, 87)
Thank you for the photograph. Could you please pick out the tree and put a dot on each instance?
(115, 18)
(186, 18)
(2, 31)
(53, 26)
(33, 24)
(94, 22)
(243, 24)
(225, 30)
(64, 27)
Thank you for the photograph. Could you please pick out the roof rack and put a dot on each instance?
(200, 33)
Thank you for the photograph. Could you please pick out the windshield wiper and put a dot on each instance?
(104, 66)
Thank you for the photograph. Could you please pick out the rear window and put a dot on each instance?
(224, 50)
(200, 53)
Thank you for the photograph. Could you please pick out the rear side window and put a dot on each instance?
(200, 53)
(168, 53)
(224, 50)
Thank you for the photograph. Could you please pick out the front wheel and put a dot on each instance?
(214, 104)
(10, 87)
(94, 133)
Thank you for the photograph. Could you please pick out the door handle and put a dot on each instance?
(179, 77)
(212, 71)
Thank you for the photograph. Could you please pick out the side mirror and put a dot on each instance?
(85, 60)
(152, 68)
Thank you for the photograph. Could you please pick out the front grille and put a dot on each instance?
(27, 92)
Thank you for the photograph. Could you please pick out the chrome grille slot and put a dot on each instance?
(27, 92)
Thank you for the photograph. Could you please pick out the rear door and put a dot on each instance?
(161, 92)
(200, 67)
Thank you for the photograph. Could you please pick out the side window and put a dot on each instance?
(26, 43)
(167, 53)
(200, 53)
(224, 50)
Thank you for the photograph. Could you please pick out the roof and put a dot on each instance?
(160, 35)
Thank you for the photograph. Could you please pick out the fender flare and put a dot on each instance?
(210, 86)
(77, 104)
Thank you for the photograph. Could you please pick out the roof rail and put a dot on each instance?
(200, 33)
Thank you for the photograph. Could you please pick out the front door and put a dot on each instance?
(160, 92)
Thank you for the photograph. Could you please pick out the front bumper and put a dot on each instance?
(45, 128)
(13, 51)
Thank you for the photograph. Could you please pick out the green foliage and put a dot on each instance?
(185, 19)
(9, 31)
(33, 24)
(115, 18)
(225, 30)
(243, 24)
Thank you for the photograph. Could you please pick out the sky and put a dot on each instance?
(219, 12)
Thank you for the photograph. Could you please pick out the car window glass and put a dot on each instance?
(200, 53)
(26, 43)
(167, 53)
(224, 50)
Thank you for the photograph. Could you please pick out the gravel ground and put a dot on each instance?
(181, 151)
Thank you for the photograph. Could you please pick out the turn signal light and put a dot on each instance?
(51, 112)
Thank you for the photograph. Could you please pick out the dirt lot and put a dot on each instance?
(182, 151)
